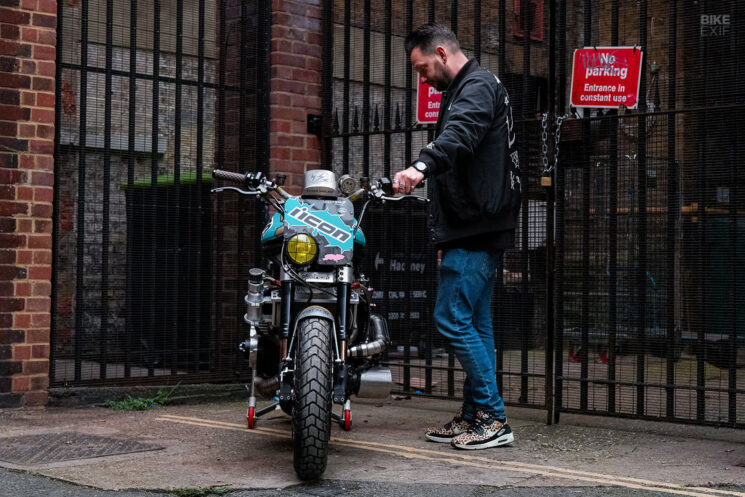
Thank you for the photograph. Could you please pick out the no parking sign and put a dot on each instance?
(606, 77)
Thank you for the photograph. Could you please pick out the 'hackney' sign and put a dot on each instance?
(606, 77)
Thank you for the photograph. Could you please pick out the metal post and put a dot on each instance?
(366, 90)
(673, 209)
(131, 332)
(613, 236)
(196, 340)
(641, 307)
(154, 302)
(177, 322)
(550, 227)
(80, 268)
(345, 103)
(526, 26)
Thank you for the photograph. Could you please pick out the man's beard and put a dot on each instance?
(441, 80)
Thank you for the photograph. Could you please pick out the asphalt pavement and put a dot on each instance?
(201, 449)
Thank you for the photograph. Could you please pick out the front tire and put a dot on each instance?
(311, 418)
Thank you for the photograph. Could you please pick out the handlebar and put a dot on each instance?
(229, 176)
(256, 184)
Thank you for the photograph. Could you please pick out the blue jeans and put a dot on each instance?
(463, 317)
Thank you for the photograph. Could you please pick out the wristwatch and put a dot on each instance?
(421, 167)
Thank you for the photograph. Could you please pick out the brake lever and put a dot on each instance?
(235, 189)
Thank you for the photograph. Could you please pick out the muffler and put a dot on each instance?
(375, 383)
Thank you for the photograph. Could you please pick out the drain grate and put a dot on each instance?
(56, 447)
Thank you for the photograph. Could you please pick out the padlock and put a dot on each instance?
(546, 181)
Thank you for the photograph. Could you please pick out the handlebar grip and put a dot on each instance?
(229, 176)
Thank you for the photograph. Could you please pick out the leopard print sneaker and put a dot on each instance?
(485, 431)
(445, 433)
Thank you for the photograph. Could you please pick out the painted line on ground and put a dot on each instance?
(473, 460)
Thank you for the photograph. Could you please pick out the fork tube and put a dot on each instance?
(284, 322)
(342, 301)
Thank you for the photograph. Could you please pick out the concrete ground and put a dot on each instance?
(178, 448)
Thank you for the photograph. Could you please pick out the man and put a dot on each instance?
(475, 192)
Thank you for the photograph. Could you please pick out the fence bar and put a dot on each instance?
(454, 16)
(431, 11)
(197, 288)
(366, 90)
(585, 305)
(220, 236)
(80, 269)
(152, 305)
(327, 88)
(559, 248)
(550, 220)
(525, 24)
(103, 332)
(739, 151)
(672, 209)
(641, 271)
(407, 160)
(177, 179)
(345, 103)
(387, 90)
(131, 332)
(55, 193)
(613, 235)
(477, 29)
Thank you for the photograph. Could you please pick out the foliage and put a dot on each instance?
(130, 403)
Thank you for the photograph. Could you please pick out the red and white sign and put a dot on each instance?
(427, 103)
(606, 77)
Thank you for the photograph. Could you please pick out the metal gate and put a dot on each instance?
(629, 304)
(149, 96)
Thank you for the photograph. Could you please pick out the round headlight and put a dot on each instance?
(302, 248)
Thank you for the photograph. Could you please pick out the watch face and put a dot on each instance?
(421, 167)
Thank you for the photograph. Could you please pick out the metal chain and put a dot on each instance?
(544, 144)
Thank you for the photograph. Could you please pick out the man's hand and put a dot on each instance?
(405, 181)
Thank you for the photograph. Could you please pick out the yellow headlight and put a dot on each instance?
(302, 248)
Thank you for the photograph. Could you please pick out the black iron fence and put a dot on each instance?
(623, 294)
(151, 95)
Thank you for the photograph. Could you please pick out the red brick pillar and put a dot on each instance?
(28, 38)
(295, 88)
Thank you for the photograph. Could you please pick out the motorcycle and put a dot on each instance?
(313, 338)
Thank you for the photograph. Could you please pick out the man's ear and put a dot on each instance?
(442, 53)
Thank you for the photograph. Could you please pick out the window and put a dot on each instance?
(534, 10)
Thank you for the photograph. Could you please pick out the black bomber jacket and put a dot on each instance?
(473, 161)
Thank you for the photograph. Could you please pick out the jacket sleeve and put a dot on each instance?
(471, 115)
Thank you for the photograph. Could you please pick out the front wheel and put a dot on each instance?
(311, 417)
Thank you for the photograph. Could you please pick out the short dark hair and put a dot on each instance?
(428, 36)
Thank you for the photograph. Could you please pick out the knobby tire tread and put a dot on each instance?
(313, 398)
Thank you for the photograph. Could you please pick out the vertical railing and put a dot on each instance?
(641, 270)
(673, 210)
(82, 155)
(613, 235)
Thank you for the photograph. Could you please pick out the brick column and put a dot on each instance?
(28, 39)
(295, 88)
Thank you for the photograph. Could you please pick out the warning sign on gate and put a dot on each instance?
(606, 77)
(427, 103)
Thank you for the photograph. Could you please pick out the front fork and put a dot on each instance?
(341, 394)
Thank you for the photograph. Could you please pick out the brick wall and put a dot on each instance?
(27, 70)
(295, 88)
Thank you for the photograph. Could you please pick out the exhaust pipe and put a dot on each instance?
(380, 339)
